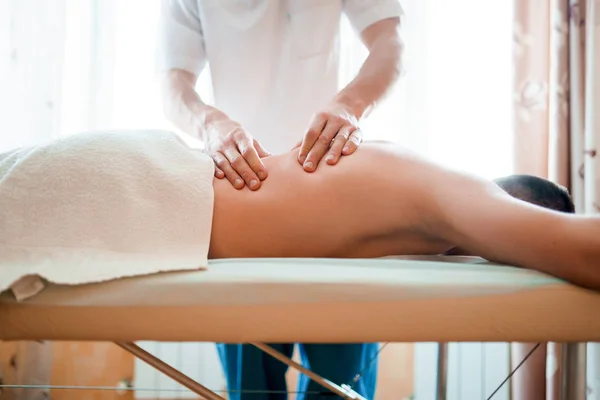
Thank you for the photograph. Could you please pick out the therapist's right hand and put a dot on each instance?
(237, 155)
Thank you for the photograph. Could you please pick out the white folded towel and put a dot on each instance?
(103, 205)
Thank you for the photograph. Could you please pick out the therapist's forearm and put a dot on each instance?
(377, 76)
(183, 106)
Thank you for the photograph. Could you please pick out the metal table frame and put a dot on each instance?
(573, 385)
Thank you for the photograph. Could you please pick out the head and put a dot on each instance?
(538, 191)
(534, 190)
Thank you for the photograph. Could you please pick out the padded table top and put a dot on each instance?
(405, 299)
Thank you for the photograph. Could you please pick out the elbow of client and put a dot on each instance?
(591, 275)
(585, 267)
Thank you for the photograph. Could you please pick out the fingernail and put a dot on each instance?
(253, 183)
(302, 159)
(309, 165)
(330, 157)
(262, 175)
(346, 148)
(238, 182)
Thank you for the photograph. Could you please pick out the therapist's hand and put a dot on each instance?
(237, 155)
(333, 132)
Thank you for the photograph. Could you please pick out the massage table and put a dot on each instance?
(256, 301)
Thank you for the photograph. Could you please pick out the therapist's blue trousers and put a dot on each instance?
(251, 373)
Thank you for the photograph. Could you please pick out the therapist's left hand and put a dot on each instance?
(333, 133)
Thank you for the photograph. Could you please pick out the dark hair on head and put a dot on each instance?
(538, 191)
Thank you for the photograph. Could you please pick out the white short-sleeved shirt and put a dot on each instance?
(273, 62)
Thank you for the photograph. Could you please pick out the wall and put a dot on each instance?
(199, 361)
(8, 353)
(25, 363)
(66, 364)
(92, 364)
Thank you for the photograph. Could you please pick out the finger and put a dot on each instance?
(241, 167)
(261, 151)
(250, 154)
(314, 131)
(219, 173)
(223, 164)
(339, 142)
(321, 145)
(353, 142)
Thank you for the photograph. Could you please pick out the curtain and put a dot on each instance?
(31, 71)
(556, 50)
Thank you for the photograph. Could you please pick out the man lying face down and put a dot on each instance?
(385, 201)
(380, 201)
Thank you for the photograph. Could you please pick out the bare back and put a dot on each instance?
(371, 204)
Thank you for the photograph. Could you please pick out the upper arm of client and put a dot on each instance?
(481, 218)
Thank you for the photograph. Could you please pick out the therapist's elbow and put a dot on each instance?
(394, 46)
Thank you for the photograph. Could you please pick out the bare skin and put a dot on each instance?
(411, 207)
(339, 211)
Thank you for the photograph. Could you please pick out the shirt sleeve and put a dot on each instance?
(180, 43)
(363, 13)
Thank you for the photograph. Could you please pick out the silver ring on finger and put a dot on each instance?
(333, 140)
(232, 155)
(218, 157)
